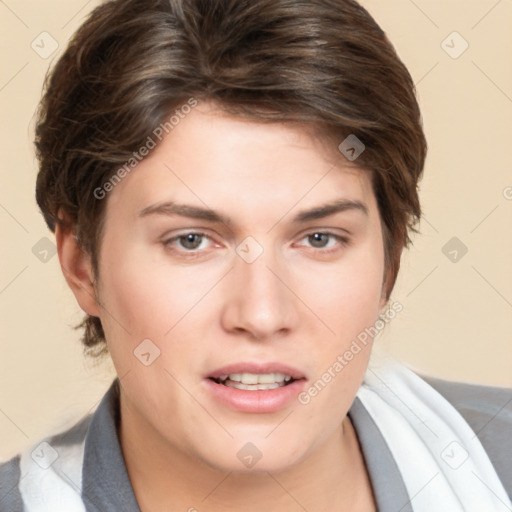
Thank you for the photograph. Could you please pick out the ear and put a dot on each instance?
(77, 269)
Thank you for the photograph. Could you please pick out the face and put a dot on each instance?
(218, 252)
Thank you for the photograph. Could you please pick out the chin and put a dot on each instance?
(255, 455)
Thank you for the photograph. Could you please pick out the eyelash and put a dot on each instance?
(342, 240)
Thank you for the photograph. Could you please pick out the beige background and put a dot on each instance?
(457, 317)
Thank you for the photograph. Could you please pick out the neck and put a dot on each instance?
(163, 477)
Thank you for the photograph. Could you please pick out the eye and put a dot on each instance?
(326, 240)
(319, 240)
(189, 242)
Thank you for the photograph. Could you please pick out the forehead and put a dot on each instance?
(214, 159)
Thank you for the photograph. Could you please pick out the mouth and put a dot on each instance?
(255, 387)
(255, 381)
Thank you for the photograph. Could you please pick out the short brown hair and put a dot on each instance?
(132, 62)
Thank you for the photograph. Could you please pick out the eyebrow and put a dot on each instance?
(196, 212)
(328, 209)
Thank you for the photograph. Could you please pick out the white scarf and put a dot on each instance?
(442, 462)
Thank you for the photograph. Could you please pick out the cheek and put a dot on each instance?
(144, 293)
(348, 302)
(347, 295)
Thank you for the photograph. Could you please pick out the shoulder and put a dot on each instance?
(35, 476)
(10, 498)
(488, 411)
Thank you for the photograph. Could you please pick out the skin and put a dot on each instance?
(298, 303)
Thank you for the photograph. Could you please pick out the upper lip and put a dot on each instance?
(257, 368)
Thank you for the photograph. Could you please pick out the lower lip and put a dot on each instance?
(259, 401)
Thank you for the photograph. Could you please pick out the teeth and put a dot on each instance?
(253, 378)
(253, 387)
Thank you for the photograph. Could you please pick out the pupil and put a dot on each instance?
(318, 239)
(191, 241)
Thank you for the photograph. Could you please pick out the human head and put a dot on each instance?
(134, 63)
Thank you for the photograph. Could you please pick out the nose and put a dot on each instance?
(259, 301)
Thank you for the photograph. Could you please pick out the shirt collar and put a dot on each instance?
(105, 483)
